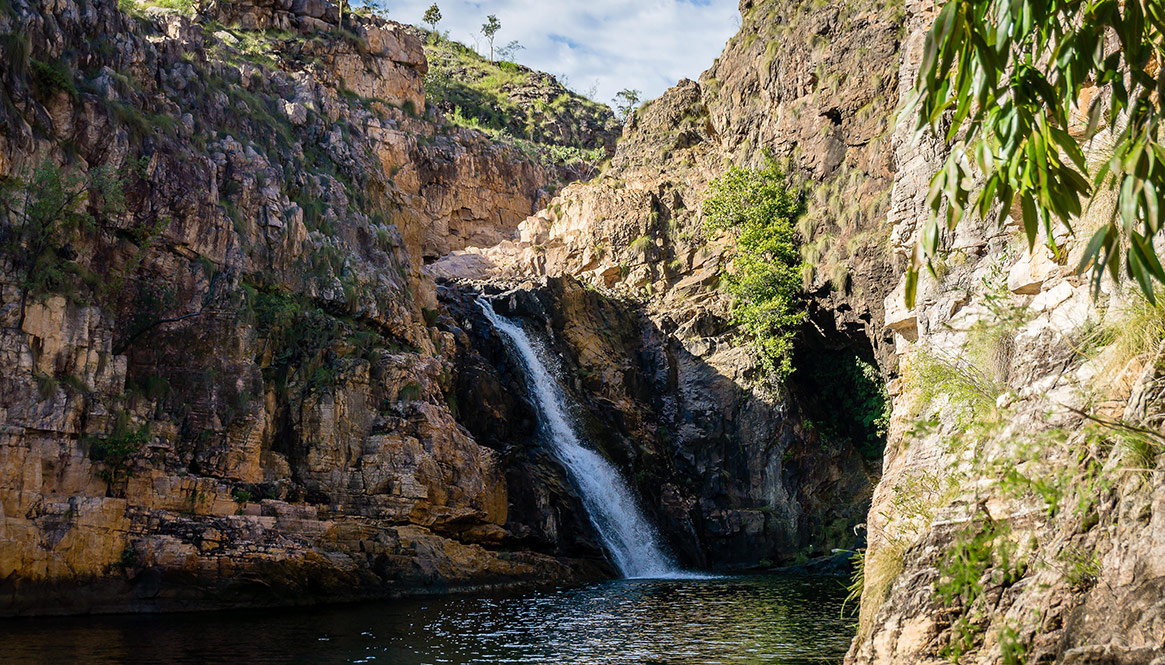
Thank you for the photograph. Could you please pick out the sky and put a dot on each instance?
(604, 45)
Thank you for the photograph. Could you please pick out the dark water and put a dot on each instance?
(793, 620)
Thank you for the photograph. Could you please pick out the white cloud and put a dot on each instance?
(610, 45)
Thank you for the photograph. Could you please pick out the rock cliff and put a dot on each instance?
(739, 469)
(1019, 509)
(235, 382)
(226, 380)
(1020, 513)
(244, 364)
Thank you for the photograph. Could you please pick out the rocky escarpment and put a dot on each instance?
(227, 382)
(810, 89)
(1021, 513)
(815, 100)
(731, 479)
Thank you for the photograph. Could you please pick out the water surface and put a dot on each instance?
(770, 619)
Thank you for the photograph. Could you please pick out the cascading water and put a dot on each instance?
(610, 504)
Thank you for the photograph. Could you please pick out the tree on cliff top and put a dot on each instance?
(759, 209)
(1005, 77)
(490, 30)
(625, 102)
(433, 17)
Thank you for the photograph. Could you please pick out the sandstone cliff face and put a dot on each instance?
(1020, 512)
(737, 471)
(236, 391)
(309, 416)
(812, 90)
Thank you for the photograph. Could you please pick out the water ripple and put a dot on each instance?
(787, 620)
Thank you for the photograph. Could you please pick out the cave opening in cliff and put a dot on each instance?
(843, 395)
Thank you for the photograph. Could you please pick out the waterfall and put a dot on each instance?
(611, 505)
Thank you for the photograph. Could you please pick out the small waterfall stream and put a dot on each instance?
(610, 503)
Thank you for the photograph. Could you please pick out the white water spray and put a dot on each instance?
(610, 504)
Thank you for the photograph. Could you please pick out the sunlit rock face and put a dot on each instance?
(1070, 520)
(737, 467)
(245, 389)
(280, 320)
(250, 326)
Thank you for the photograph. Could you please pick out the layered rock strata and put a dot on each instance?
(1021, 513)
(229, 385)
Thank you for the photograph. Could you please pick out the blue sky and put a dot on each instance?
(605, 45)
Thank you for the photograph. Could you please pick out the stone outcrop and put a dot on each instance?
(229, 385)
(817, 97)
(1020, 512)
(637, 233)
(256, 373)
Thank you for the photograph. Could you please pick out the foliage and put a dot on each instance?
(1006, 75)
(490, 30)
(305, 346)
(972, 381)
(1013, 651)
(372, 8)
(760, 211)
(53, 77)
(880, 566)
(853, 403)
(1081, 568)
(184, 7)
(857, 581)
(510, 51)
(545, 152)
(129, 558)
(626, 101)
(433, 17)
(979, 557)
(118, 450)
(1137, 330)
(39, 217)
(641, 245)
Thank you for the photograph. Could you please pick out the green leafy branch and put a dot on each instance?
(1005, 77)
(757, 206)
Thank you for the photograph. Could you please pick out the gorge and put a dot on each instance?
(296, 310)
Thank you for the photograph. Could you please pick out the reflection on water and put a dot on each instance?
(732, 620)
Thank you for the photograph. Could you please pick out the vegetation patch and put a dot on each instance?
(52, 77)
(759, 209)
(980, 558)
(851, 401)
(511, 99)
(117, 451)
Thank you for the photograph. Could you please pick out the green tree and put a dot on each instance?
(759, 209)
(1004, 77)
(626, 100)
(510, 51)
(433, 17)
(38, 216)
(490, 30)
(377, 8)
(119, 450)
